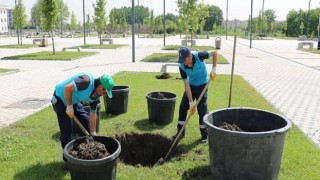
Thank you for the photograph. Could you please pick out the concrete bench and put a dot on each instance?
(301, 44)
(70, 35)
(164, 67)
(184, 42)
(107, 39)
(75, 48)
(302, 38)
(36, 40)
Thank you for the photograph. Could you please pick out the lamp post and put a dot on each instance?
(308, 20)
(138, 18)
(251, 24)
(61, 19)
(132, 30)
(17, 26)
(262, 19)
(319, 33)
(164, 23)
(84, 24)
(227, 20)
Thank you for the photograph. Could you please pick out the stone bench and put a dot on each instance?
(184, 42)
(36, 40)
(301, 44)
(75, 48)
(164, 67)
(107, 39)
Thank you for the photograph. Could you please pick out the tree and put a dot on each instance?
(113, 23)
(215, 16)
(50, 9)
(158, 25)
(171, 26)
(73, 23)
(301, 27)
(36, 13)
(100, 16)
(150, 22)
(123, 23)
(186, 12)
(270, 16)
(285, 28)
(63, 14)
(271, 25)
(19, 18)
(202, 13)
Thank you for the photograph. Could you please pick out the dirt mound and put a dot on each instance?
(164, 76)
(90, 150)
(143, 149)
(231, 127)
(160, 96)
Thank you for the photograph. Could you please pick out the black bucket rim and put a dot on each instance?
(94, 162)
(126, 88)
(168, 99)
(251, 134)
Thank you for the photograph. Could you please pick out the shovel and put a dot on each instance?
(176, 141)
(82, 128)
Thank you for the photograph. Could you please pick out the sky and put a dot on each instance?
(238, 9)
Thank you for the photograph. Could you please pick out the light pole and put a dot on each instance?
(262, 19)
(61, 19)
(319, 33)
(138, 19)
(227, 20)
(17, 26)
(164, 23)
(251, 24)
(132, 30)
(84, 25)
(308, 20)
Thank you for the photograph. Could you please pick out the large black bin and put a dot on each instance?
(118, 104)
(76, 129)
(252, 154)
(161, 111)
(99, 169)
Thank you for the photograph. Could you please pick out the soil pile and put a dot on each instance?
(164, 76)
(231, 127)
(90, 150)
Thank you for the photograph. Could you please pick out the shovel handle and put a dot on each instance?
(186, 122)
(80, 125)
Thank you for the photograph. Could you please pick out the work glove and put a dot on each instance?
(213, 73)
(192, 108)
(70, 111)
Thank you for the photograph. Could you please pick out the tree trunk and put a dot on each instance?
(53, 48)
(20, 37)
(100, 39)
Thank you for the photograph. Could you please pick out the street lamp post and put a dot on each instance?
(138, 19)
(17, 27)
(84, 25)
(308, 20)
(61, 19)
(227, 20)
(251, 24)
(132, 30)
(262, 19)
(319, 33)
(164, 23)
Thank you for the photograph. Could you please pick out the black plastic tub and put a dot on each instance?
(254, 153)
(161, 111)
(99, 169)
(118, 104)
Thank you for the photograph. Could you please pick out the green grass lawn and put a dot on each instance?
(173, 57)
(2, 70)
(315, 51)
(104, 46)
(193, 48)
(30, 149)
(48, 55)
(17, 46)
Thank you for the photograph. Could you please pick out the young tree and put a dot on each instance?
(285, 28)
(36, 13)
(186, 9)
(150, 22)
(202, 13)
(100, 16)
(73, 23)
(50, 10)
(19, 18)
(301, 27)
(63, 13)
(123, 24)
(113, 23)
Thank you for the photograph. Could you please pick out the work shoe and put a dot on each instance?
(203, 139)
(176, 135)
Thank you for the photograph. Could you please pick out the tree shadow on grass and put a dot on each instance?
(146, 125)
(56, 136)
(54, 170)
(200, 172)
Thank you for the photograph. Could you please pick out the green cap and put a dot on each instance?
(107, 83)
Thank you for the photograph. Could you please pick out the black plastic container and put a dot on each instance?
(118, 104)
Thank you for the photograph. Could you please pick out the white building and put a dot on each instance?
(3, 19)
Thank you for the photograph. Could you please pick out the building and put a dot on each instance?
(4, 19)
(10, 18)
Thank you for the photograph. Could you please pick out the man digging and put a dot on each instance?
(67, 97)
(195, 77)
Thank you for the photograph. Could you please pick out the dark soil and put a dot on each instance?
(164, 76)
(160, 96)
(231, 127)
(143, 149)
(90, 150)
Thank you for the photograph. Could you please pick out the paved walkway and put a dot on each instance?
(270, 68)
